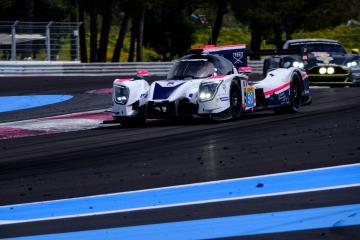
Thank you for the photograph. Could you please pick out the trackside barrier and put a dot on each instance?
(257, 65)
(21, 68)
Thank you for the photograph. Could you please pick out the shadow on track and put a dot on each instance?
(150, 123)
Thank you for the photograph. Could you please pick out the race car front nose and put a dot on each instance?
(207, 90)
(121, 94)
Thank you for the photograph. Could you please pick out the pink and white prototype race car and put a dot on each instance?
(211, 82)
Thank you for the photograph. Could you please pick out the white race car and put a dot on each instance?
(210, 82)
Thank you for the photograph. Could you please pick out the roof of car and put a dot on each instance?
(207, 56)
(304, 40)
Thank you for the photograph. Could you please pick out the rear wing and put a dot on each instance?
(237, 54)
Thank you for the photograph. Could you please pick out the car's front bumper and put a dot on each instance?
(334, 81)
(166, 109)
(342, 77)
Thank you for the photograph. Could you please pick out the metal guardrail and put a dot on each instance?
(257, 65)
(20, 69)
(81, 69)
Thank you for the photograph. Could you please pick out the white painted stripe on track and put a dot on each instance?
(178, 205)
(63, 125)
(2, 222)
(22, 122)
(319, 87)
(55, 124)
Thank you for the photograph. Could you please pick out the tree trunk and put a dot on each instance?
(132, 39)
(73, 46)
(120, 40)
(288, 34)
(82, 37)
(140, 35)
(29, 10)
(105, 30)
(278, 37)
(288, 30)
(221, 10)
(29, 17)
(255, 43)
(93, 32)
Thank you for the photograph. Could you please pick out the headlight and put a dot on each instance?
(121, 94)
(322, 70)
(351, 64)
(330, 70)
(298, 64)
(208, 90)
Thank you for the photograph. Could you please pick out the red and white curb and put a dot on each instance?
(55, 124)
(101, 91)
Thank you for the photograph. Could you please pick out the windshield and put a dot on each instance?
(318, 47)
(192, 69)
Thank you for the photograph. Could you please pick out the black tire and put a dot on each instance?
(235, 100)
(294, 97)
(307, 100)
(132, 121)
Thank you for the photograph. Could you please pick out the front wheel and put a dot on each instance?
(235, 101)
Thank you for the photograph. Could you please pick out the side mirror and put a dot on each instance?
(142, 73)
(245, 69)
(355, 51)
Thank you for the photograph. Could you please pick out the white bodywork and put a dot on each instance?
(276, 82)
(139, 90)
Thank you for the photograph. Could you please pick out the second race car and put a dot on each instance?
(325, 61)
(211, 82)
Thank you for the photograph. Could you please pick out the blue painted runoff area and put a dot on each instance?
(234, 226)
(11, 103)
(187, 194)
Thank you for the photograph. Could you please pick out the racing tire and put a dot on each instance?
(235, 101)
(294, 97)
(307, 100)
(132, 121)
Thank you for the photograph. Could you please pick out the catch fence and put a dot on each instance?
(39, 41)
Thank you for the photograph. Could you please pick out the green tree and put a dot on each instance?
(168, 29)
(221, 9)
(107, 14)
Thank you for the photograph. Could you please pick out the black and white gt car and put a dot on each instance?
(325, 61)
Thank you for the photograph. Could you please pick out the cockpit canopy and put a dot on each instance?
(197, 66)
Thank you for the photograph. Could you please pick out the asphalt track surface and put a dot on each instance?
(166, 153)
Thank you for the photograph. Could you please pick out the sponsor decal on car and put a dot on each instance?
(323, 57)
(250, 97)
(143, 95)
(238, 56)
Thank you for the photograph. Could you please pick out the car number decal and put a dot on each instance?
(250, 97)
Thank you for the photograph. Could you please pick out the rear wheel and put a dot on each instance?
(235, 101)
(294, 97)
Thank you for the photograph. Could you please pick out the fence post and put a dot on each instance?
(77, 41)
(13, 41)
(48, 41)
